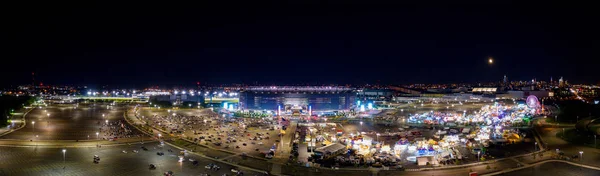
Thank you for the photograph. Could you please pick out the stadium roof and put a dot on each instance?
(299, 88)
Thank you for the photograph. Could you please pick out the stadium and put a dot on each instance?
(297, 100)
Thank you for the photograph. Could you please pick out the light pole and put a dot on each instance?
(478, 158)
(97, 138)
(580, 155)
(36, 137)
(361, 125)
(535, 147)
(378, 137)
(64, 151)
(33, 124)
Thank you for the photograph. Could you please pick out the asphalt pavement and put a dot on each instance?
(79, 161)
(65, 122)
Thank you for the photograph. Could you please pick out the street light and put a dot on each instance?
(36, 137)
(478, 158)
(378, 137)
(361, 125)
(64, 151)
(102, 115)
(33, 124)
(580, 155)
(535, 147)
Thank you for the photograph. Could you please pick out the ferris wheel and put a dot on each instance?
(532, 102)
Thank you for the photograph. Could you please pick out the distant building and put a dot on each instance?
(486, 91)
(178, 98)
(519, 94)
(297, 98)
(374, 94)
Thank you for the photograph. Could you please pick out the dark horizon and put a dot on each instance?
(140, 45)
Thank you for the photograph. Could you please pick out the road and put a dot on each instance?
(554, 168)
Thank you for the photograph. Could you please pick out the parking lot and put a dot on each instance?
(74, 122)
(113, 161)
(255, 137)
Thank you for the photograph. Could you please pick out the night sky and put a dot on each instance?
(143, 44)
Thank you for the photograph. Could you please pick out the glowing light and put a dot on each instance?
(490, 60)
